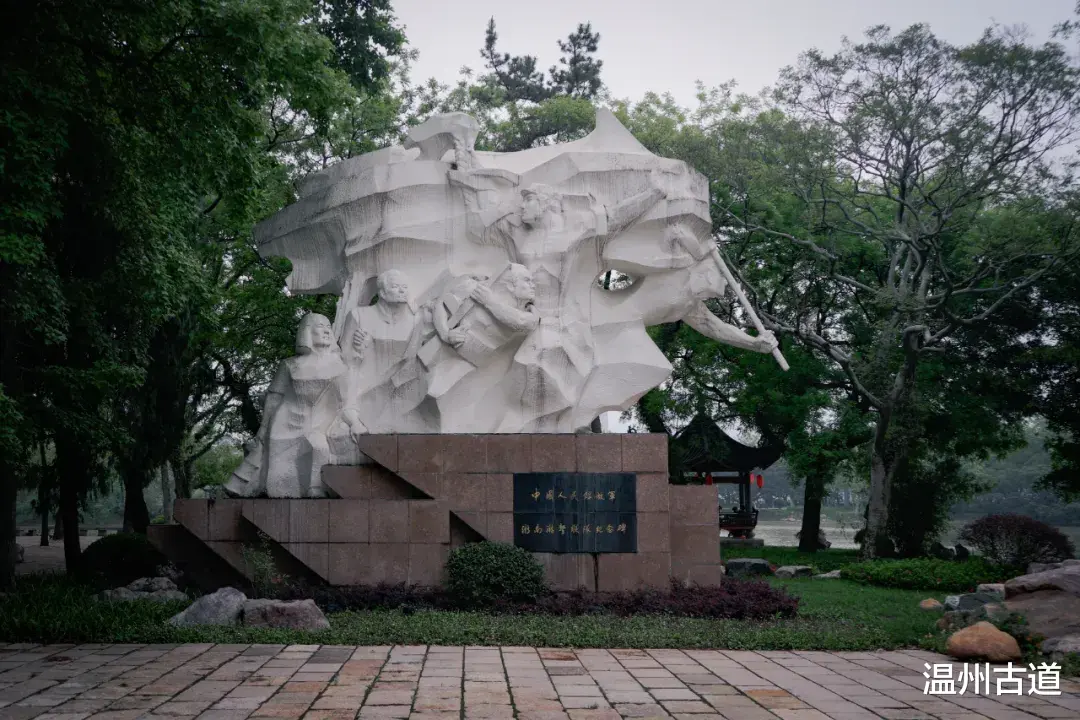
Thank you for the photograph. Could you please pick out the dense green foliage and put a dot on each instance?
(1016, 541)
(119, 559)
(481, 574)
(139, 142)
(926, 574)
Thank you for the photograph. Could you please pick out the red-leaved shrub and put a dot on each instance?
(734, 599)
(1016, 541)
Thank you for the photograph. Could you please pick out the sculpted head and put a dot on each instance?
(315, 335)
(519, 282)
(393, 287)
(537, 200)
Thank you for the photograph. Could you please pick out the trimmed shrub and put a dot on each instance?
(482, 574)
(1016, 541)
(926, 574)
(119, 559)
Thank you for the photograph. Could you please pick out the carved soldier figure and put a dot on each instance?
(303, 403)
(473, 322)
(380, 343)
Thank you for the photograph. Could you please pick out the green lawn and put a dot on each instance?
(833, 615)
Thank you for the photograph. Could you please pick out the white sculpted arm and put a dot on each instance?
(702, 320)
(353, 338)
(630, 210)
(515, 319)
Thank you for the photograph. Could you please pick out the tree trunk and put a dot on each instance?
(166, 494)
(181, 476)
(58, 526)
(8, 531)
(43, 501)
(813, 491)
(69, 514)
(136, 514)
(877, 540)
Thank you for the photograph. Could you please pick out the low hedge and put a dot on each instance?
(734, 599)
(119, 559)
(926, 574)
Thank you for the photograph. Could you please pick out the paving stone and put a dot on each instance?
(264, 682)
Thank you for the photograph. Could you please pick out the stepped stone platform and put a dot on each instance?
(396, 519)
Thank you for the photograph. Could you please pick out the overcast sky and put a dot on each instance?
(666, 45)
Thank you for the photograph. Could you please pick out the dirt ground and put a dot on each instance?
(44, 559)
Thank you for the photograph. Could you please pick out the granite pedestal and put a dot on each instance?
(396, 519)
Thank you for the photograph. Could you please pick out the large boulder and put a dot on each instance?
(931, 604)
(1050, 613)
(984, 641)
(831, 575)
(220, 608)
(294, 615)
(1043, 567)
(1065, 577)
(747, 567)
(792, 571)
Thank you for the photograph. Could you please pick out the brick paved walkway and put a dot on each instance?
(233, 682)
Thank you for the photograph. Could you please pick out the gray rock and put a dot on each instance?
(1050, 613)
(747, 567)
(1065, 578)
(220, 608)
(995, 589)
(1034, 568)
(831, 575)
(1063, 645)
(952, 602)
(121, 594)
(295, 615)
(792, 571)
(971, 601)
(126, 594)
(149, 585)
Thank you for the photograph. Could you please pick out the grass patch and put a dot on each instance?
(833, 615)
(926, 574)
(822, 561)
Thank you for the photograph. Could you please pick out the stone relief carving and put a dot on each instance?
(510, 331)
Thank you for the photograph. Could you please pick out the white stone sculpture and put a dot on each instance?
(304, 403)
(489, 316)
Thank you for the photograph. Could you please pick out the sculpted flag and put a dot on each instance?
(469, 294)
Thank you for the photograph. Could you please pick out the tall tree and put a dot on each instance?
(918, 145)
(123, 125)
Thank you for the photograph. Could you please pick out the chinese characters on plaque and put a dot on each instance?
(575, 512)
(1009, 680)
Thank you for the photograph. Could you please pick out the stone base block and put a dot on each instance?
(397, 518)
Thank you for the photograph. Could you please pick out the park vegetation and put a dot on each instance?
(904, 215)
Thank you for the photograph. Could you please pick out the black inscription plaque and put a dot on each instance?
(575, 512)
